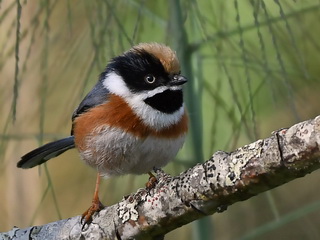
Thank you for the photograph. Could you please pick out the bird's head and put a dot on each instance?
(148, 78)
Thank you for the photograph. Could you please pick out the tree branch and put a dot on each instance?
(206, 188)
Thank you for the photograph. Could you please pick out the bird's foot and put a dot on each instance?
(94, 208)
(96, 205)
(152, 182)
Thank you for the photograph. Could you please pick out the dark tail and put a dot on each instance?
(45, 152)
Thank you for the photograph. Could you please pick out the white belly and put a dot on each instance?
(113, 152)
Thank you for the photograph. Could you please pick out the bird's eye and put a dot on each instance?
(150, 78)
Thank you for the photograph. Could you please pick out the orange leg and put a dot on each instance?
(96, 204)
(152, 181)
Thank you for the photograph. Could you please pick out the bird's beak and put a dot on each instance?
(177, 80)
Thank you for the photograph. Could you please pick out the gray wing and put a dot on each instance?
(97, 96)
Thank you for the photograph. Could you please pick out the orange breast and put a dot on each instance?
(117, 113)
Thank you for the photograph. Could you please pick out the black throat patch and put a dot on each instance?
(168, 101)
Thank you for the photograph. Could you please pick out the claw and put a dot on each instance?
(152, 182)
(86, 217)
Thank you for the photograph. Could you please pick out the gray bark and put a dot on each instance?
(202, 190)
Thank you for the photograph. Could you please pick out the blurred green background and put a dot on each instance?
(253, 67)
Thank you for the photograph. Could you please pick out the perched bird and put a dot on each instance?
(131, 121)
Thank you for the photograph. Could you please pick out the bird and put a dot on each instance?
(132, 121)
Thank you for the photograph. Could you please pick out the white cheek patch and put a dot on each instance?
(150, 116)
(115, 84)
